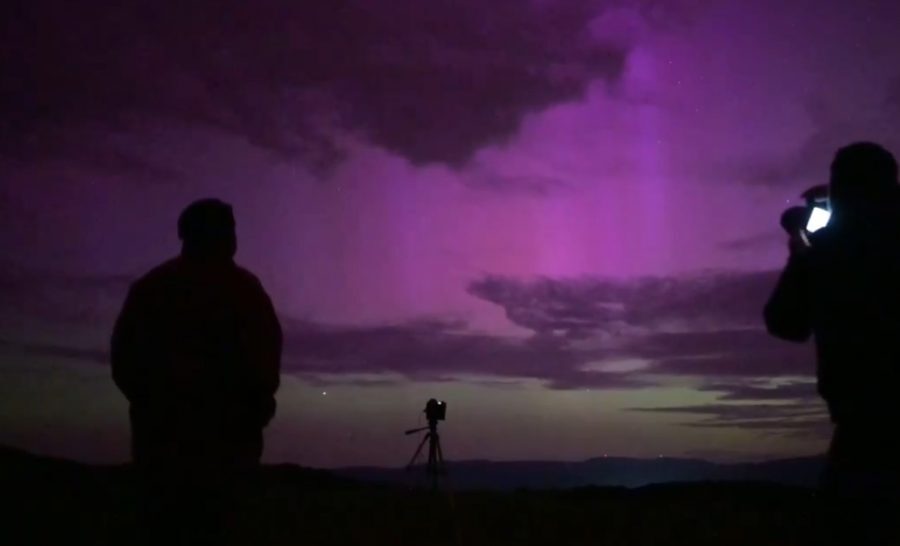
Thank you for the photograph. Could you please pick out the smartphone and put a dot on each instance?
(818, 219)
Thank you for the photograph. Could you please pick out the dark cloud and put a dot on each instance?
(329, 381)
(793, 408)
(437, 351)
(791, 391)
(725, 353)
(57, 297)
(797, 418)
(704, 325)
(433, 82)
(578, 307)
(740, 412)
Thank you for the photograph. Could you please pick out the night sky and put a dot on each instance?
(559, 216)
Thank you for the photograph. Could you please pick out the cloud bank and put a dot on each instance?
(433, 82)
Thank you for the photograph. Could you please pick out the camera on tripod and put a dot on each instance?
(435, 410)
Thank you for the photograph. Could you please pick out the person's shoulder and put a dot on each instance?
(248, 285)
(245, 274)
(246, 277)
(157, 275)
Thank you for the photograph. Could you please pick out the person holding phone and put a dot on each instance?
(841, 286)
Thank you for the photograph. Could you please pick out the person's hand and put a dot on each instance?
(797, 245)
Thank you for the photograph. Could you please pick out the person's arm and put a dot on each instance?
(124, 352)
(787, 313)
(264, 345)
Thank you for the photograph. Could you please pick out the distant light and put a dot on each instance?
(324, 393)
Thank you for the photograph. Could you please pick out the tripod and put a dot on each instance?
(435, 465)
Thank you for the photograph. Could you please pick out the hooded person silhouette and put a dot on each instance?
(843, 289)
(196, 350)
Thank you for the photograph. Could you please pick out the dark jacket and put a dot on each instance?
(845, 292)
(197, 350)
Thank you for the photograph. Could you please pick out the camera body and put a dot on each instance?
(436, 410)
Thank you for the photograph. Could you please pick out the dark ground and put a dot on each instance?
(66, 503)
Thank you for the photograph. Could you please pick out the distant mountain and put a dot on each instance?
(601, 472)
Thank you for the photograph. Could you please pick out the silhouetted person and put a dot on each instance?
(844, 290)
(196, 351)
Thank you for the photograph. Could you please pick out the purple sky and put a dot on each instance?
(559, 216)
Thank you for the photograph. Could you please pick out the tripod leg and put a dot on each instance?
(432, 461)
(440, 456)
(432, 454)
(418, 451)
